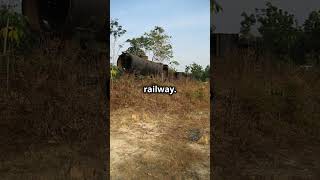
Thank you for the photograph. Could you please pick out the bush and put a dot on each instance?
(15, 28)
(115, 72)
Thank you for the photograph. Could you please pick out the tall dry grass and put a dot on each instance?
(261, 110)
(174, 128)
(53, 96)
(54, 113)
(127, 91)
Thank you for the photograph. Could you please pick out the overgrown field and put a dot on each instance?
(158, 136)
(51, 115)
(266, 119)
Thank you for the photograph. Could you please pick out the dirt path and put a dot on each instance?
(155, 146)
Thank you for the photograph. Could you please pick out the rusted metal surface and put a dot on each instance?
(134, 64)
(140, 66)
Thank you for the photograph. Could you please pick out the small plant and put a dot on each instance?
(115, 72)
(14, 28)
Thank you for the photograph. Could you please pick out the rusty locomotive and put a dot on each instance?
(132, 64)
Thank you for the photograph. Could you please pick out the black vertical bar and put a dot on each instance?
(212, 52)
(107, 96)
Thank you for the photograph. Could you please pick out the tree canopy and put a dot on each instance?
(157, 42)
(198, 72)
(280, 33)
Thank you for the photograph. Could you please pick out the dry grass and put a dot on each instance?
(150, 133)
(128, 92)
(52, 116)
(266, 119)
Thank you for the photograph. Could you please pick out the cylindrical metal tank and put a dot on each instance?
(63, 15)
(134, 64)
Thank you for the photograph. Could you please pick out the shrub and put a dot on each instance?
(15, 28)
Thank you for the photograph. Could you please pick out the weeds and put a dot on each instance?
(51, 97)
(128, 91)
(262, 107)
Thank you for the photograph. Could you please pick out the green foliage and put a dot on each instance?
(115, 73)
(312, 24)
(197, 72)
(157, 42)
(14, 27)
(173, 64)
(215, 7)
(136, 46)
(312, 33)
(246, 24)
(116, 29)
(136, 51)
(140, 42)
(279, 31)
(206, 73)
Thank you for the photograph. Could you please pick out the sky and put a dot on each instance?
(186, 21)
(229, 20)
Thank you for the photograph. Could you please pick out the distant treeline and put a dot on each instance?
(194, 70)
(198, 72)
(281, 35)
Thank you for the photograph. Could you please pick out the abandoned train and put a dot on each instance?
(132, 64)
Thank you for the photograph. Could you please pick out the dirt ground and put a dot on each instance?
(151, 145)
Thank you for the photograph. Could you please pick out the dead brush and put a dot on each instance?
(261, 105)
(127, 91)
(50, 98)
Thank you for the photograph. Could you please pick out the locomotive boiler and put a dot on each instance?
(133, 64)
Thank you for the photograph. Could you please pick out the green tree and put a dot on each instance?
(14, 30)
(279, 30)
(197, 71)
(116, 31)
(137, 46)
(206, 73)
(215, 7)
(312, 31)
(173, 64)
(246, 24)
(136, 51)
(312, 23)
(156, 42)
